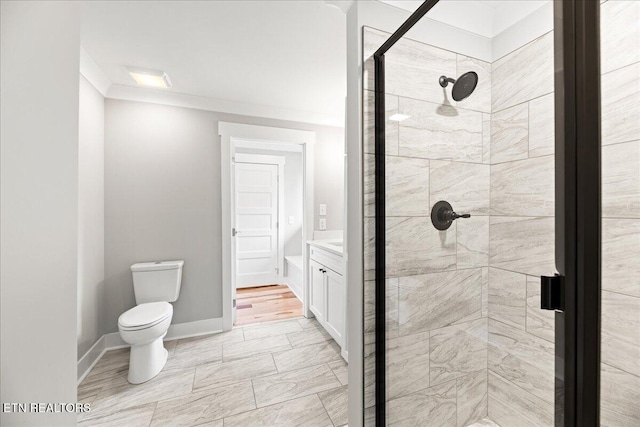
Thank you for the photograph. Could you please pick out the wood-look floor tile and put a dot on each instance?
(205, 405)
(254, 347)
(310, 355)
(271, 329)
(340, 370)
(308, 336)
(303, 412)
(293, 384)
(227, 373)
(137, 416)
(336, 402)
(166, 385)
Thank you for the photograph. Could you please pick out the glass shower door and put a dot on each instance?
(468, 228)
(620, 329)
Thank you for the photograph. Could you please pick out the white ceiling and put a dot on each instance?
(487, 18)
(282, 54)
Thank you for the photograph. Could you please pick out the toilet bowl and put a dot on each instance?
(143, 327)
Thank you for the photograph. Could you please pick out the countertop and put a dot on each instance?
(328, 245)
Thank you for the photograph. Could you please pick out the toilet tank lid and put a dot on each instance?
(157, 265)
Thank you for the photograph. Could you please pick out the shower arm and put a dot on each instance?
(444, 81)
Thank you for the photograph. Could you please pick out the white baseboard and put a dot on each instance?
(113, 341)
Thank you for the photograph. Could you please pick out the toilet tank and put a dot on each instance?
(157, 281)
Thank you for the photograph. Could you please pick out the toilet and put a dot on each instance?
(155, 284)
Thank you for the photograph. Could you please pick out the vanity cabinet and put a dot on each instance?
(328, 294)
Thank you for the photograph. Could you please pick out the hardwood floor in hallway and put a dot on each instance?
(266, 303)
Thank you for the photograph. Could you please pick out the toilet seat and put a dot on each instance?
(145, 316)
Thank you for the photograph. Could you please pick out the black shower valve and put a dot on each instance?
(443, 215)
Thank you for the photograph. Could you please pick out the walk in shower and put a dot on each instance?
(474, 189)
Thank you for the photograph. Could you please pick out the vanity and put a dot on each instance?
(327, 288)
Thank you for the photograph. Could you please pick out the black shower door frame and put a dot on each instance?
(577, 216)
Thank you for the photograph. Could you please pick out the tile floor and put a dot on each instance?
(284, 373)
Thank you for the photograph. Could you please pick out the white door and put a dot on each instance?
(256, 224)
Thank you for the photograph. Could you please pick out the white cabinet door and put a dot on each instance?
(317, 294)
(335, 311)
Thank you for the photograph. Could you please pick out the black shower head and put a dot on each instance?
(463, 87)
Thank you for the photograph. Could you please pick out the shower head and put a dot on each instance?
(463, 87)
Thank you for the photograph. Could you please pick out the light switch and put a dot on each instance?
(323, 223)
(323, 209)
(291, 220)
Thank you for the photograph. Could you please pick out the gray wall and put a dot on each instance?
(329, 177)
(162, 199)
(40, 59)
(91, 309)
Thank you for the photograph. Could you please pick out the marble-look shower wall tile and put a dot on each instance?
(621, 180)
(486, 138)
(436, 404)
(509, 405)
(524, 187)
(507, 297)
(407, 364)
(369, 185)
(457, 350)
(481, 98)
(619, 34)
(542, 126)
(369, 234)
(414, 246)
(464, 185)
(472, 397)
(370, 310)
(391, 127)
(522, 244)
(620, 331)
(522, 358)
(473, 242)
(485, 292)
(621, 105)
(619, 397)
(620, 256)
(437, 300)
(524, 74)
(407, 187)
(412, 69)
(510, 134)
(540, 323)
(369, 379)
(437, 131)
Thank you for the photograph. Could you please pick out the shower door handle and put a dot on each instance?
(552, 292)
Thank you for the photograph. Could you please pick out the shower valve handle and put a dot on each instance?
(443, 215)
(452, 215)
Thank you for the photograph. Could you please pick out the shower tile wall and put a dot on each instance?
(436, 280)
(465, 335)
(620, 356)
(521, 242)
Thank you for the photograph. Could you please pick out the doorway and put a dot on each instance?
(267, 191)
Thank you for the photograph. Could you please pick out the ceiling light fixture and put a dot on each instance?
(150, 78)
(399, 117)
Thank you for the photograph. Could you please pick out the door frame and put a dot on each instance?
(262, 159)
(578, 210)
(257, 136)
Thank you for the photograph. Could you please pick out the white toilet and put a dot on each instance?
(155, 285)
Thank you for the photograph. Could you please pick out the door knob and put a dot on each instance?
(443, 215)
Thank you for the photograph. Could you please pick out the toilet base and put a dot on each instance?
(146, 361)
